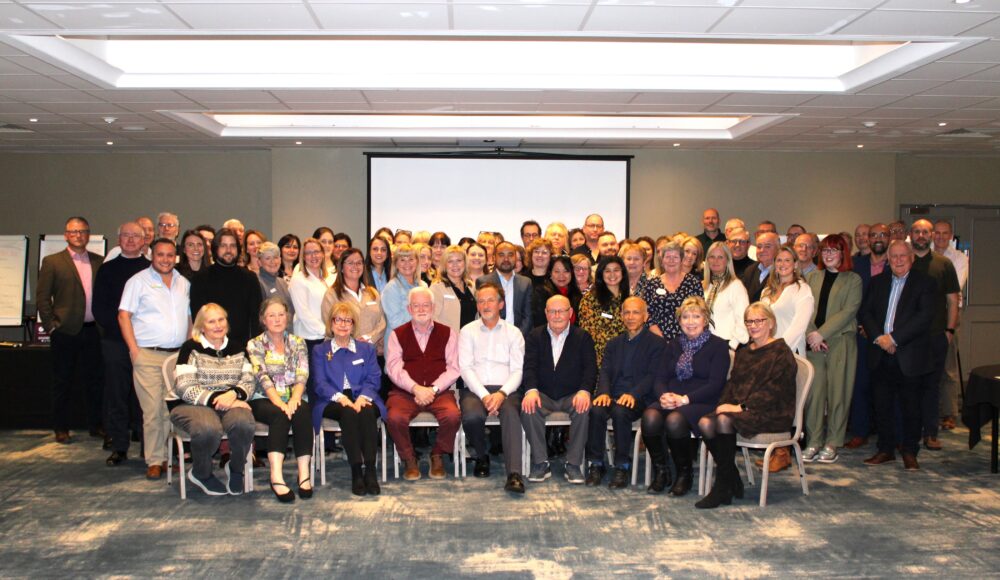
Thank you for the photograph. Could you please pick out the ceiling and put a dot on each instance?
(961, 90)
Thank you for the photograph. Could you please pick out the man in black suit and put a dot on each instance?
(896, 317)
(517, 288)
(560, 369)
(755, 278)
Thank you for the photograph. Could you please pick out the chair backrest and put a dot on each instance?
(169, 366)
(803, 381)
(732, 362)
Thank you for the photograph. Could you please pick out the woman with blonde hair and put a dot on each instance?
(666, 290)
(307, 288)
(583, 272)
(556, 233)
(634, 258)
(406, 277)
(791, 299)
(694, 256)
(539, 254)
(725, 295)
(454, 293)
(425, 260)
(254, 240)
(488, 241)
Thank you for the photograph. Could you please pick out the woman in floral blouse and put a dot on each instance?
(601, 308)
(281, 367)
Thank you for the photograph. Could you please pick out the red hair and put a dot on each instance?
(837, 242)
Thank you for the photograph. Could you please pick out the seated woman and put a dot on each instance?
(759, 397)
(687, 386)
(213, 383)
(347, 382)
(280, 364)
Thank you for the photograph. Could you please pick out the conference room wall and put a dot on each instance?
(953, 180)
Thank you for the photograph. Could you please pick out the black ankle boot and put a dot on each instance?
(685, 477)
(680, 450)
(357, 480)
(371, 481)
(661, 479)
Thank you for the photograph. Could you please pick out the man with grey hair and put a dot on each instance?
(236, 226)
(806, 246)
(732, 224)
(738, 240)
(167, 226)
(943, 236)
(756, 278)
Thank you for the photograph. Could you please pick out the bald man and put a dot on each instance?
(711, 232)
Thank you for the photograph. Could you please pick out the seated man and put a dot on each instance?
(491, 356)
(421, 359)
(624, 390)
(560, 368)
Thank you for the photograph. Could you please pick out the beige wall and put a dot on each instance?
(953, 180)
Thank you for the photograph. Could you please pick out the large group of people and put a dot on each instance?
(686, 334)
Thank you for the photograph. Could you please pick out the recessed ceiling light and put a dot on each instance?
(32, 120)
(861, 146)
(844, 132)
(111, 142)
(942, 124)
(870, 124)
(677, 144)
(298, 142)
(962, 1)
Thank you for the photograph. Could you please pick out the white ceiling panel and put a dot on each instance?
(992, 74)
(14, 17)
(306, 96)
(7, 67)
(862, 4)
(911, 23)
(678, 98)
(229, 96)
(70, 109)
(785, 21)
(969, 88)
(381, 16)
(29, 81)
(766, 99)
(20, 109)
(945, 71)
(74, 82)
(866, 101)
(139, 96)
(935, 5)
(584, 97)
(900, 87)
(988, 51)
(938, 102)
(519, 17)
(50, 96)
(108, 16)
(687, 20)
(246, 16)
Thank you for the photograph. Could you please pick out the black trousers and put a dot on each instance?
(118, 392)
(359, 431)
(890, 385)
(264, 411)
(68, 351)
(621, 420)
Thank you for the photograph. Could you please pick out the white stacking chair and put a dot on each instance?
(427, 419)
(609, 446)
(556, 419)
(319, 442)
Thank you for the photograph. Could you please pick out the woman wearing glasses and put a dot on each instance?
(759, 397)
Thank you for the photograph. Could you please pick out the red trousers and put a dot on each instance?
(402, 408)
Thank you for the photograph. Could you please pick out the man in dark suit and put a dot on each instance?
(64, 299)
(560, 369)
(755, 278)
(517, 288)
(896, 317)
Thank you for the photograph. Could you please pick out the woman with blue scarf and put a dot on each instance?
(687, 387)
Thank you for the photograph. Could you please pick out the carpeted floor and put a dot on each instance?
(64, 514)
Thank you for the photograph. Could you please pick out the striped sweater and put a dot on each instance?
(204, 373)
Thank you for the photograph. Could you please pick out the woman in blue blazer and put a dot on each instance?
(347, 380)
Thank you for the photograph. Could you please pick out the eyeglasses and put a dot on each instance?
(878, 235)
(355, 263)
(130, 236)
(168, 225)
(77, 232)
(830, 251)
(754, 322)
(739, 242)
(560, 312)
(345, 321)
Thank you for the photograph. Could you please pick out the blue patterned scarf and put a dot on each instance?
(685, 364)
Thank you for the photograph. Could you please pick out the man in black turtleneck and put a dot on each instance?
(233, 288)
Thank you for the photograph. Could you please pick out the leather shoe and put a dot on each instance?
(661, 479)
(856, 442)
(685, 478)
(156, 470)
(932, 443)
(371, 481)
(514, 483)
(437, 467)
(595, 475)
(116, 458)
(910, 462)
(63, 437)
(106, 446)
(412, 471)
(880, 458)
(482, 468)
(619, 479)
(947, 423)
(780, 460)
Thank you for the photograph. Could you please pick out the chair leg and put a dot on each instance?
(321, 450)
(381, 428)
(395, 462)
(749, 467)
(525, 454)
(802, 468)
(182, 474)
(457, 457)
(609, 448)
(635, 458)
(170, 458)
(765, 471)
(702, 467)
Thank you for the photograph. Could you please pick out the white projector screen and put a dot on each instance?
(462, 196)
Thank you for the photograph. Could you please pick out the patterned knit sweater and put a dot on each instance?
(204, 373)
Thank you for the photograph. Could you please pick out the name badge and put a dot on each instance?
(607, 315)
(359, 361)
(661, 292)
(450, 296)
(273, 290)
(372, 303)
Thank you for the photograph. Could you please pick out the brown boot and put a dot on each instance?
(780, 460)
(437, 467)
(412, 469)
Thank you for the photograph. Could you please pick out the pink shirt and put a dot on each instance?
(401, 378)
(86, 273)
(877, 268)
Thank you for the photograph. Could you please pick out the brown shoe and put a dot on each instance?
(437, 467)
(947, 423)
(856, 442)
(910, 462)
(880, 458)
(932, 443)
(63, 437)
(412, 471)
(156, 471)
(780, 460)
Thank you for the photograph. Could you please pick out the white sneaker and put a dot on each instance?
(827, 455)
(809, 455)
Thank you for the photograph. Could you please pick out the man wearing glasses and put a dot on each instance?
(168, 226)
(64, 299)
(738, 240)
(593, 227)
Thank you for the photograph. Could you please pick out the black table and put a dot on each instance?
(982, 399)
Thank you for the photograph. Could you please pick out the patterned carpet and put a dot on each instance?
(64, 514)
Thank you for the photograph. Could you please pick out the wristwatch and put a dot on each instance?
(434, 389)
(743, 406)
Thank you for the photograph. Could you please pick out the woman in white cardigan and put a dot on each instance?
(307, 289)
(725, 295)
(791, 299)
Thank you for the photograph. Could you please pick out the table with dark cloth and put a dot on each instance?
(982, 403)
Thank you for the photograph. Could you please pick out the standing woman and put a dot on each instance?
(634, 258)
(790, 299)
(289, 245)
(346, 390)
(488, 241)
(694, 256)
(454, 293)
(759, 397)
(476, 263)
(439, 242)
(254, 239)
(557, 234)
(272, 284)
(325, 237)
(348, 287)
(576, 238)
(394, 297)
(833, 348)
(193, 252)
(539, 253)
(308, 287)
(601, 308)
(725, 295)
(378, 263)
(425, 259)
(582, 272)
(281, 366)
(560, 282)
(666, 290)
(648, 246)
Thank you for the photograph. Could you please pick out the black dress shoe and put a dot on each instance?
(661, 479)
(514, 483)
(116, 458)
(107, 443)
(482, 468)
(682, 485)
(98, 433)
(63, 437)
(371, 481)
(595, 475)
(287, 497)
(619, 479)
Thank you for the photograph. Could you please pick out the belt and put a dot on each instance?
(162, 349)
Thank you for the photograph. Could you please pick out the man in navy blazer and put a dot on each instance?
(560, 367)
(896, 317)
(517, 288)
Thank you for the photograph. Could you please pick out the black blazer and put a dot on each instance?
(911, 325)
(522, 299)
(645, 361)
(751, 280)
(577, 368)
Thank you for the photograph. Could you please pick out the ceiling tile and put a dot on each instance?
(677, 98)
(108, 16)
(376, 16)
(938, 102)
(245, 16)
(75, 108)
(782, 21)
(865, 101)
(51, 96)
(992, 74)
(8, 67)
(969, 88)
(29, 81)
(938, 5)
(944, 71)
(766, 99)
(900, 87)
(863, 4)
(139, 96)
(910, 23)
(224, 96)
(685, 20)
(14, 17)
(988, 51)
(75, 82)
(587, 97)
(519, 17)
(310, 96)
(20, 109)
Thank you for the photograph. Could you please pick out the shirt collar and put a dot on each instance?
(416, 329)
(78, 257)
(204, 342)
(561, 335)
(351, 346)
(901, 278)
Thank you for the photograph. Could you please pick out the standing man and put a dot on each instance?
(732, 224)
(530, 231)
(108, 287)
(711, 233)
(491, 358)
(560, 369)
(896, 319)
(64, 299)
(738, 240)
(593, 227)
(517, 289)
(756, 278)
(233, 288)
(806, 246)
(148, 233)
(943, 325)
(861, 240)
(949, 381)
(168, 226)
(155, 320)
(421, 359)
(794, 231)
(607, 244)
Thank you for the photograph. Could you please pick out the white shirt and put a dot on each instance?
(508, 293)
(961, 263)
(491, 356)
(159, 314)
(558, 342)
(792, 310)
(727, 314)
(307, 297)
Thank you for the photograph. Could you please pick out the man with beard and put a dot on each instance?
(943, 235)
(233, 288)
(516, 288)
(942, 330)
